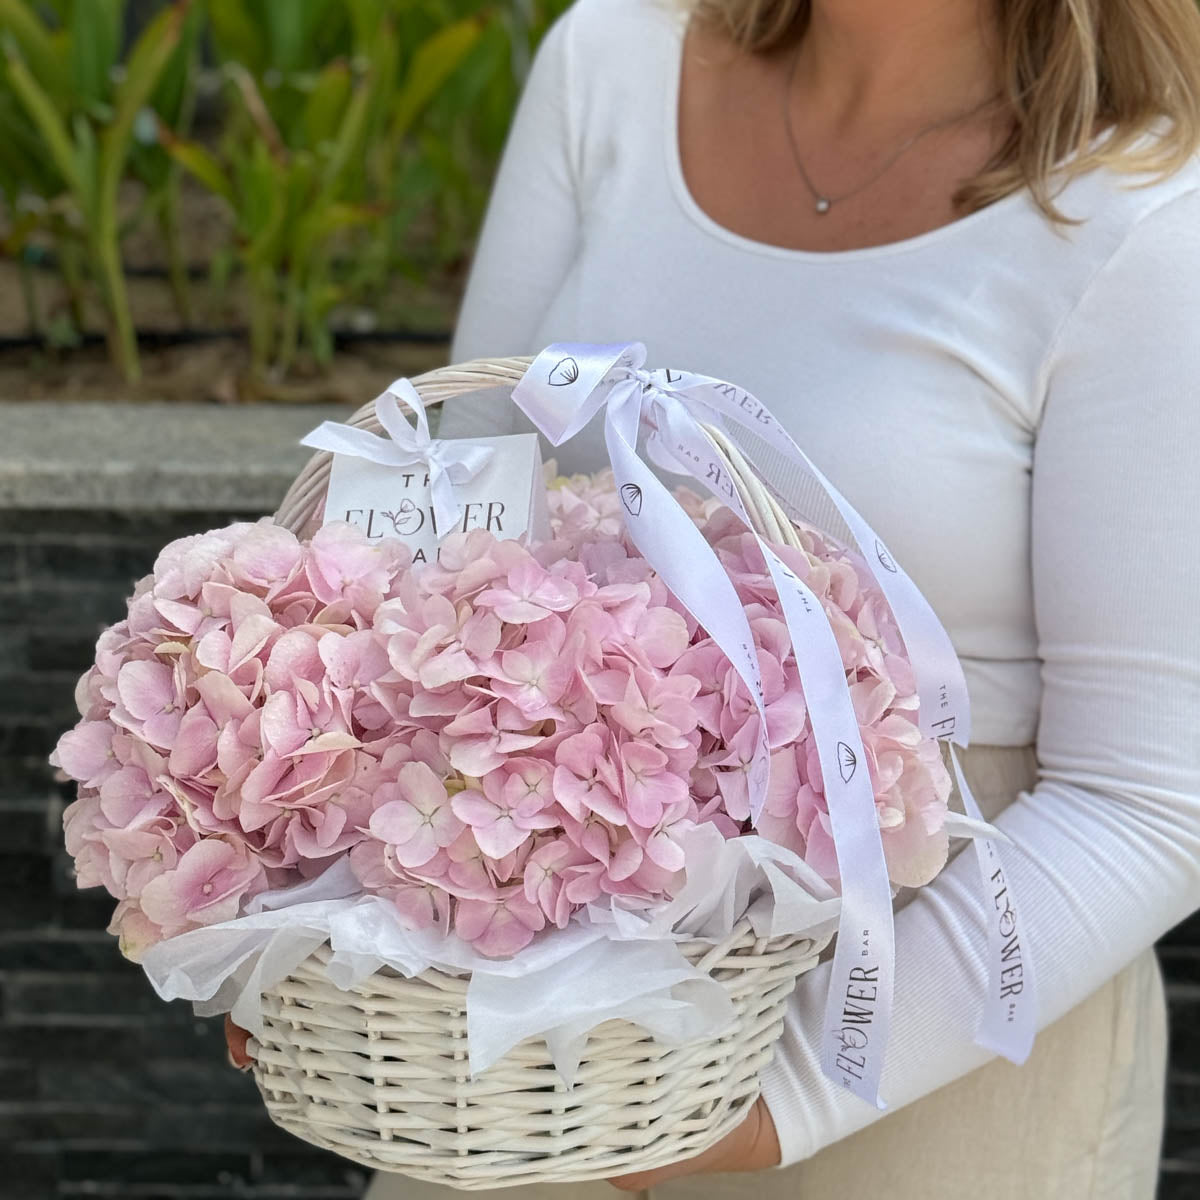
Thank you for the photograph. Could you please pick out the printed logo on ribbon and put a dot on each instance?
(564, 372)
(1008, 1023)
(851, 1042)
(847, 762)
(885, 559)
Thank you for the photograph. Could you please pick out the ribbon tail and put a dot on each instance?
(560, 392)
(1008, 1024)
(387, 409)
(944, 710)
(668, 538)
(956, 825)
(445, 505)
(452, 463)
(358, 443)
(859, 1001)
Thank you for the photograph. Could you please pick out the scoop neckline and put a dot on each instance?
(691, 208)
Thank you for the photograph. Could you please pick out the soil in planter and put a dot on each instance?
(215, 371)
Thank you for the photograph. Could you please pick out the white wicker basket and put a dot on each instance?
(379, 1073)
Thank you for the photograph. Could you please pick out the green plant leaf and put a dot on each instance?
(237, 37)
(345, 154)
(256, 109)
(299, 31)
(94, 39)
(24, 166)
(315, 227)
(39, 48)
(200, 164)
(146, 61)
(366, 16)
(435, 60)
(89, 175)
(318, 302)
(44, 116)
(326, 104)
(383, 58)
(172, 97)
(265, 182)
(220, 269)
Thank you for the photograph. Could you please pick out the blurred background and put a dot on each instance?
(220, 222)
(215, 200)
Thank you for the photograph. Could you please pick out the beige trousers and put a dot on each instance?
(1081, 1120)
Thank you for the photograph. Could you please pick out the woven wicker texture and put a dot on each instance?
(379, 1073)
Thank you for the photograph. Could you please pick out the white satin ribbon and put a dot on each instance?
(563, 389)
(1008, 1024)
(560, 393)
(1008, 1021)
(448, 462)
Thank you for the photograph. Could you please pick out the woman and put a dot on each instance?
(909, 227)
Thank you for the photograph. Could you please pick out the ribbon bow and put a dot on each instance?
(448, 462)
(563, 389)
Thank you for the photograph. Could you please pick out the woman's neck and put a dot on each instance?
(852, 112)
(915, 60)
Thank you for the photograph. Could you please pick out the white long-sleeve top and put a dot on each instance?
(1014, 407)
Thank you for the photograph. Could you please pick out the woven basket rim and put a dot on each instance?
(305, 497)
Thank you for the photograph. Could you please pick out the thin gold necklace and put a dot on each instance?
(822, 201)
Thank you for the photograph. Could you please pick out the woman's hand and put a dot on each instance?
(752, 1146)
(236, 1038)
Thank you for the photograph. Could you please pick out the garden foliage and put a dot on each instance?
(354, 141)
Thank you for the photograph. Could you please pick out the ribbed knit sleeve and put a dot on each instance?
(529, 235)
(1106, 848)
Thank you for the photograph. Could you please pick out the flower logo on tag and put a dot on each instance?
(564, 372)
(631, 497)
(847, 762)
(850, 1038)
(885, 559)
(406, 519)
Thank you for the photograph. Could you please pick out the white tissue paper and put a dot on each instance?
(610, 962)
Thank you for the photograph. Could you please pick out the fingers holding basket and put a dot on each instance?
(752, 1146)
(236, 1039)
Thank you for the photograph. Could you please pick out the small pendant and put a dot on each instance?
(823, 205)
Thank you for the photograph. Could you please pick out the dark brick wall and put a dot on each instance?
(104, 1090)
(1179, 954)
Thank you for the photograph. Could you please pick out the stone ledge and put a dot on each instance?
(175, 457)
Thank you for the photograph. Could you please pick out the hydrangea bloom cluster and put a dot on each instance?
(495, 740)
(911, 782)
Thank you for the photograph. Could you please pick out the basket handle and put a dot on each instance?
(304, 498)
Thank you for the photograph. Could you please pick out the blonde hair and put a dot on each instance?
(1069, 70)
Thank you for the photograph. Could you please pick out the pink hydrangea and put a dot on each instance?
(223, 747)
(493, 740)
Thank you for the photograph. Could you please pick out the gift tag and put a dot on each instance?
(506, 496)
